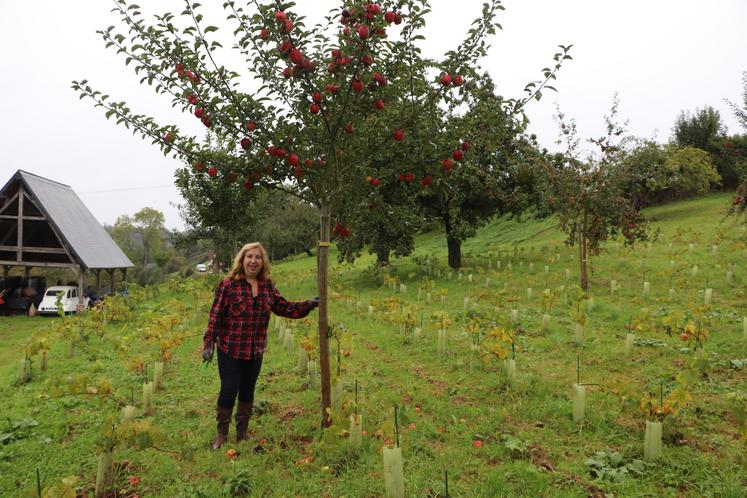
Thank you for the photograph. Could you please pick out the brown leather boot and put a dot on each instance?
(243, 414)
(223, 418)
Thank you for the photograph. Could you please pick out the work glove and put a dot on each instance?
(314, 301)
(207, 353)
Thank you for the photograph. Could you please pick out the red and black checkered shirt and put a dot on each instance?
(238, 321)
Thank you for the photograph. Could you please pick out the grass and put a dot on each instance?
(529, 444)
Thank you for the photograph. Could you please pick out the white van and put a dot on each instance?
(48, 305)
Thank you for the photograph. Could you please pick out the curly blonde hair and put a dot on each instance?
(237, 270)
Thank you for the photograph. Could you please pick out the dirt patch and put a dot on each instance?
(575, 480)
(538, 456)
(291, 412)
(420, 373)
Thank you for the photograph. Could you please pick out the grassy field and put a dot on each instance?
(458, 410)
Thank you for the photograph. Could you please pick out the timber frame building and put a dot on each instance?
(43, 223)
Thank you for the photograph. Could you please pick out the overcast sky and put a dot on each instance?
(661, 56)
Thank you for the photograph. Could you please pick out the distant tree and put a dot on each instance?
(287, 225)
(741, 112)
(690, 170)
(145, 239)
(700, 129)
(651, 173)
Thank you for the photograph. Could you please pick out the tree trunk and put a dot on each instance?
(583, 255)
(382, 258)
(322, 272)
(454, 245)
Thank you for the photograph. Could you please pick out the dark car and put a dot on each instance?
(19, 293)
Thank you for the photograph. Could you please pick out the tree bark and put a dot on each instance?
(322, 273)
(382, 258)
(583, 255)
(455, 252)
(454, 245)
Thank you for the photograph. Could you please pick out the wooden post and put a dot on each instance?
(81, 283)
(111, 281)
(124, 278)
(98, 283)
(322, 270)
(19, 234)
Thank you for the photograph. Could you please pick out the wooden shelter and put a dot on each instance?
(43, 223)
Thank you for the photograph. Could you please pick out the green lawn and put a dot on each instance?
(456, 412)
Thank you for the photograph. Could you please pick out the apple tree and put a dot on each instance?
(588, 196)
(321, 107)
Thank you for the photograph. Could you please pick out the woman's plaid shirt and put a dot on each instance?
(238, 321)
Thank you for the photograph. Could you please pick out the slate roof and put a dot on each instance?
(83, 235)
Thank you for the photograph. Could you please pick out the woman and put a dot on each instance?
(238, 326)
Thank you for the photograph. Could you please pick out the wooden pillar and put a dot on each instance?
(98, 283)
(111, 281)
(124, 278)
(19, 235)
(81, 284)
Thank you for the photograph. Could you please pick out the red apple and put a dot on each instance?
(458, 80)
(169, 137)
(331, 88)
(298, 172)
(200, 166)
(445, 79)
(207, 121)
(379, 104)
(248, 185)
(367, 60)
(357, 86)
(375, 182)
(314, 108)
(193, 99)
(457, 155)
(466, 146)
(264, 33)
(317, 97)
(288, 72)
(399, 135)
(212, 171)
(293, 159)
(390, 16)
(447, 164)
(349, 128)
(280, 16)
(427, 180)
(245, 143)
(251, 126)
(296, 56)
(199, 112)
(363, 32)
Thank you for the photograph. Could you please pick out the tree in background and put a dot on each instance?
(652, 173)
(740, 110)
(705, 130)
(146, 241)
(700, 129)
(588, 197)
